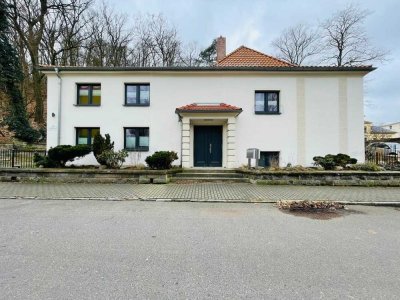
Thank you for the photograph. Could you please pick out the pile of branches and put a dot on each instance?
(307, 205)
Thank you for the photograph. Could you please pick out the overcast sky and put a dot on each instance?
(255, 23)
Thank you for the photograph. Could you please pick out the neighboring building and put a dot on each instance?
(211, 115)
(395, 127)
(377, 133)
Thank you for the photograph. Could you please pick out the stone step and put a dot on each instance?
(208, 170)
(199, 175)
(208, 179)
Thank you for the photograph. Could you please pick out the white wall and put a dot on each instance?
(333, 105)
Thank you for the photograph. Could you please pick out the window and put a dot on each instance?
(85, 136)
(89, 94)
(269, 159)
(267, 102)
(137, 94)
(136, 138)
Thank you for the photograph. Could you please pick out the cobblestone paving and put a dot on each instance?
(203, 191)
(62, 191)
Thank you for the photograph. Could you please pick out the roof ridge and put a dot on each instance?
(270, 56)
(387, 124)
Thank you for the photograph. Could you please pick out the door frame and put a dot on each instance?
(216, 122)
(220, 131)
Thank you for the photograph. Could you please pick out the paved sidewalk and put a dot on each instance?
(238, 192)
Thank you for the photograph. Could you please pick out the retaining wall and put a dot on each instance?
(332, 178)
(86, 175)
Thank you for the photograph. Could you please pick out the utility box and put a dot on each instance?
(253, 153)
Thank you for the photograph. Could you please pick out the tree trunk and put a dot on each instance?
(37, 94)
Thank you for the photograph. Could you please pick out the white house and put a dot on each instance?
(211, 115)
(395, 127)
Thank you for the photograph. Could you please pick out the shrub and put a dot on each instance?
(60, 155)
(44, 161)
(330, 161)
(113, 159)
(393, 167)
(101, 144)
(367, 167)
(161, 160)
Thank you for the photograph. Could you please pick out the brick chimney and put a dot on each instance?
(221, 48)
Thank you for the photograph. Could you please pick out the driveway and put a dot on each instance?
(239, 192)
(152, 250)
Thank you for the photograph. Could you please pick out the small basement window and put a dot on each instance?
(269, 159)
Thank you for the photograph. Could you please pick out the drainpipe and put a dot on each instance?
(59, 106)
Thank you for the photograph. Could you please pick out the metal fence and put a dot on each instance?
(12, 158)
(383, 158)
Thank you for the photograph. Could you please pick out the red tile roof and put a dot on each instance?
(246, 57)
(208, 107)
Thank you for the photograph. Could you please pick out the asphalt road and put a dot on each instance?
(107, 250)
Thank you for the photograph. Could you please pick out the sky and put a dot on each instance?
(256, 23)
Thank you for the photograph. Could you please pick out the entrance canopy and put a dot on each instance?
(208, 134)
(208, 108)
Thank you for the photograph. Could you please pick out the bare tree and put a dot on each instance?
(110, 38)
(64, 34)
(156, 42)
(28, 18)
(346, 41)
(297, 44)
(166, 42)
(189, 55)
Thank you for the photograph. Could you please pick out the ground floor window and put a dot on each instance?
(136, 138)
(85, 136)
(269, 159)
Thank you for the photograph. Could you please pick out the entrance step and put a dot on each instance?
(208, 170)
(209, 179)
(209, 175)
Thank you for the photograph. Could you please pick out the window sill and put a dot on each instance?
(137, 150)
(89, 105)
(267, 113)
(136, 104)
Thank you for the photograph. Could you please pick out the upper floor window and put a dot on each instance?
(137, 94)
(267, 102)
(136, 138)
(85, 136)
(89, 94)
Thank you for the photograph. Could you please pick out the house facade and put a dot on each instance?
(394, 127)
(374, 133)
(211, 115)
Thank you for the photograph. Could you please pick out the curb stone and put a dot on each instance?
(365, 203)
(68, 198)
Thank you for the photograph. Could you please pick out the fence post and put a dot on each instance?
(12, 158)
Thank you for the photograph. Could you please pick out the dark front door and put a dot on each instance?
(208, 146)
